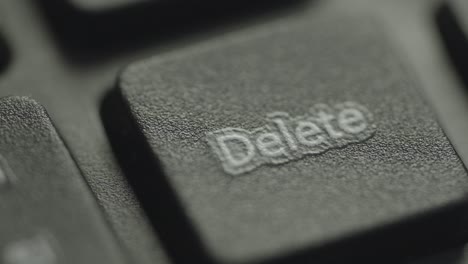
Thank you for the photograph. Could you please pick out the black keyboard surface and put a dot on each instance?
(234, 132)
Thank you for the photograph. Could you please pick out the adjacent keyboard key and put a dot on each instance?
(105, 5)
(91, 30)
(97, 27)
(452, 20)
(304, 140)
(48, 213)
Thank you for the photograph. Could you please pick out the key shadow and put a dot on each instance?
(5, 55)
(151, 187)
(394, 243)
(456, 256)
(454, 40)
(92, 36)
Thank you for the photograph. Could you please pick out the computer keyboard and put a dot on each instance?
(233, 132)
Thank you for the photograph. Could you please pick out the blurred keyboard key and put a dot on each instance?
(89, 29)
(105, 5)
(304, 142)
(49, 215)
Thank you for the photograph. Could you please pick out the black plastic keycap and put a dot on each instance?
(303, 140)
(90, 29)
(105, 5)
(48, 212)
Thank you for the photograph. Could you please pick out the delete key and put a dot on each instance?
(298, 141)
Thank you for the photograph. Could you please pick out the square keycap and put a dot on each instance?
(301, 137)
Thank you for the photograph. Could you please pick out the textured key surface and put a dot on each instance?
(399, 165)
(47, 210)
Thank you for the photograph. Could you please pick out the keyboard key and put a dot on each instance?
(304, 141)
(90, 26)
(48, 213)
(91, 29)
(104, 5)
(452, 20)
